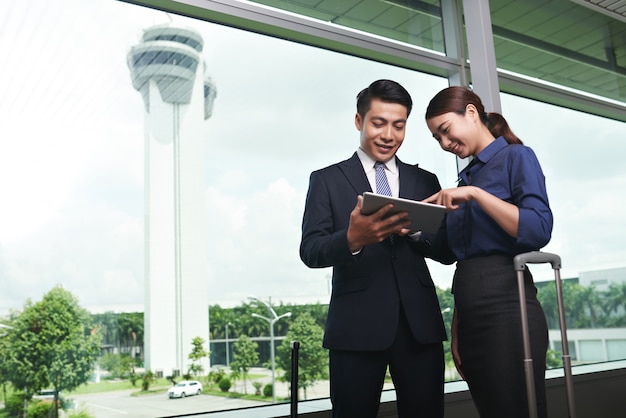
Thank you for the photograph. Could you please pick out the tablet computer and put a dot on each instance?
(425, 217)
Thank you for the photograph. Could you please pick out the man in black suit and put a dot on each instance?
(383, 310)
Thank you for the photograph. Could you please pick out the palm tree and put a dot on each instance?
(616, 304)
(547, 297)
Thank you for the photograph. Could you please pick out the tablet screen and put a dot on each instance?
(425, 217)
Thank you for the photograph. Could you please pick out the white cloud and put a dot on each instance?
(257, 249)
(71, 157)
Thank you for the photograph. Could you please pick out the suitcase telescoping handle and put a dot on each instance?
(519, 263)
(536, 257)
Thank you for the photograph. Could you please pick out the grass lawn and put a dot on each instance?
(159, 386)
(112, 385)
(249, 396)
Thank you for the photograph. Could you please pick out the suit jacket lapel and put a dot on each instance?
(408, 179)
(353, 170)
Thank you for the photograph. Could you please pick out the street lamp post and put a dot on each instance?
(271, 321)
(227, 354)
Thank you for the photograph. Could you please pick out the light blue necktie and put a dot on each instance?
(382, 185)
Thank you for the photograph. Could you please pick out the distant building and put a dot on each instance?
(602, 279)
(599, 279)
(588, 345)
(167, 68)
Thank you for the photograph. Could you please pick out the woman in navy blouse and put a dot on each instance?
(499, 210)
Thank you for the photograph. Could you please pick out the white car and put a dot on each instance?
(185, 388)
(46, 394)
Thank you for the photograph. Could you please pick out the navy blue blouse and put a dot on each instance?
(512, 173)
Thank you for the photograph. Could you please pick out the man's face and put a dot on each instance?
(382, 129)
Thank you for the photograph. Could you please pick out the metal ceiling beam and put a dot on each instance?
(527, 41)
(271, 21)
(482, 55)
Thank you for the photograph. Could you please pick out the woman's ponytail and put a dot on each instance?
(498, 126)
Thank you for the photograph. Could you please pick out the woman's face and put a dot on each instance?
(458, 134)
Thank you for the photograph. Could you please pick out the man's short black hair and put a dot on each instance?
(386, 91)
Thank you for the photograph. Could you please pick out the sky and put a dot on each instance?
(72, 158)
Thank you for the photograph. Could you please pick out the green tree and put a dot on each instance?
(130, 326)
(553, 359)
(4, 349)
(582, 305)
(590, 300)
(118, 365)
(52, 344)
(546, 295)
(245, 356)
(147, 379)
(312, 359)
(446, 304)
(108, 328)
(243, 323)
(122, 330)
(197, 354)
(218, 318)
(615, 302)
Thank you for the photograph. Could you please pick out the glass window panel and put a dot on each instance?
(591, 351)
(577, 152)
(587, 232)
(557, 346)
(417, 22)
(616, 349)
(87, 168)
(73, 166)
(561, 42)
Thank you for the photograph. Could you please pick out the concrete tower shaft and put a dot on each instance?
(167, 68)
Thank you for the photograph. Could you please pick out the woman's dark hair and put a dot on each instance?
(386, 91)
(455, 99)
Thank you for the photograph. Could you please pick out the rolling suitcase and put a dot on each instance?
(519, 263)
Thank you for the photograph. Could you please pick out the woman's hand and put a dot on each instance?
(505, 214)
(452, 198)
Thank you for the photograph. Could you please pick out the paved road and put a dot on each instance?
(121, 404)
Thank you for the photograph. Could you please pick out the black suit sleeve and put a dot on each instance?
(324, 227)
(435, 245)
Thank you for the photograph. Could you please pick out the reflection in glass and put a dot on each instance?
(73, 173)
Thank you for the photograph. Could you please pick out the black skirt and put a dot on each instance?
(490, 338)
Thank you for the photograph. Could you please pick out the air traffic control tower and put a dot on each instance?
(168, 70)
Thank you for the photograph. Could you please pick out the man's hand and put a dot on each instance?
(371, 229)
